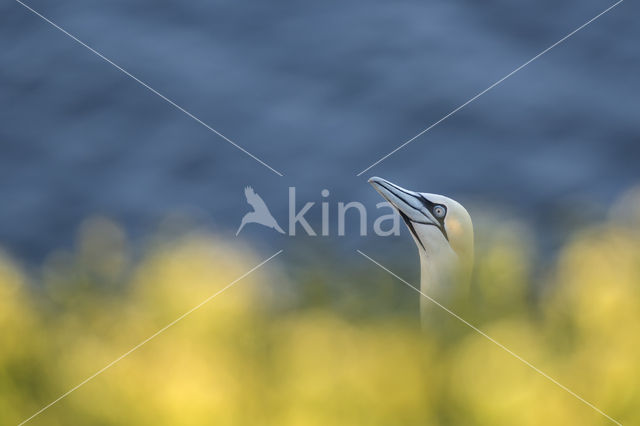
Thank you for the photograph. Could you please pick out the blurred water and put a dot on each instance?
(319, 91)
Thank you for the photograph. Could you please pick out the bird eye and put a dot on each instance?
(439, 211)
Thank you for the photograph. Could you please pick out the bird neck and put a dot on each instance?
(437, 269)
(437, 282)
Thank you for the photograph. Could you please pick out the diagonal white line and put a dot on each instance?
(491, 87)
(500, 345)
(172, 323)
(145, 85)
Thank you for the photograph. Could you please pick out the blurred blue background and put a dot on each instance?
(319, 90)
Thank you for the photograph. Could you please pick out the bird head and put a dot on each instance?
(438, 223)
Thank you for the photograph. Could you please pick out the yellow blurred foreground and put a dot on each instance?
(252, 357)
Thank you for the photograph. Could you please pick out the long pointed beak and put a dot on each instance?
(409, 204)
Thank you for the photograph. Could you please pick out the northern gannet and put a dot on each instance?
(443, 232)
